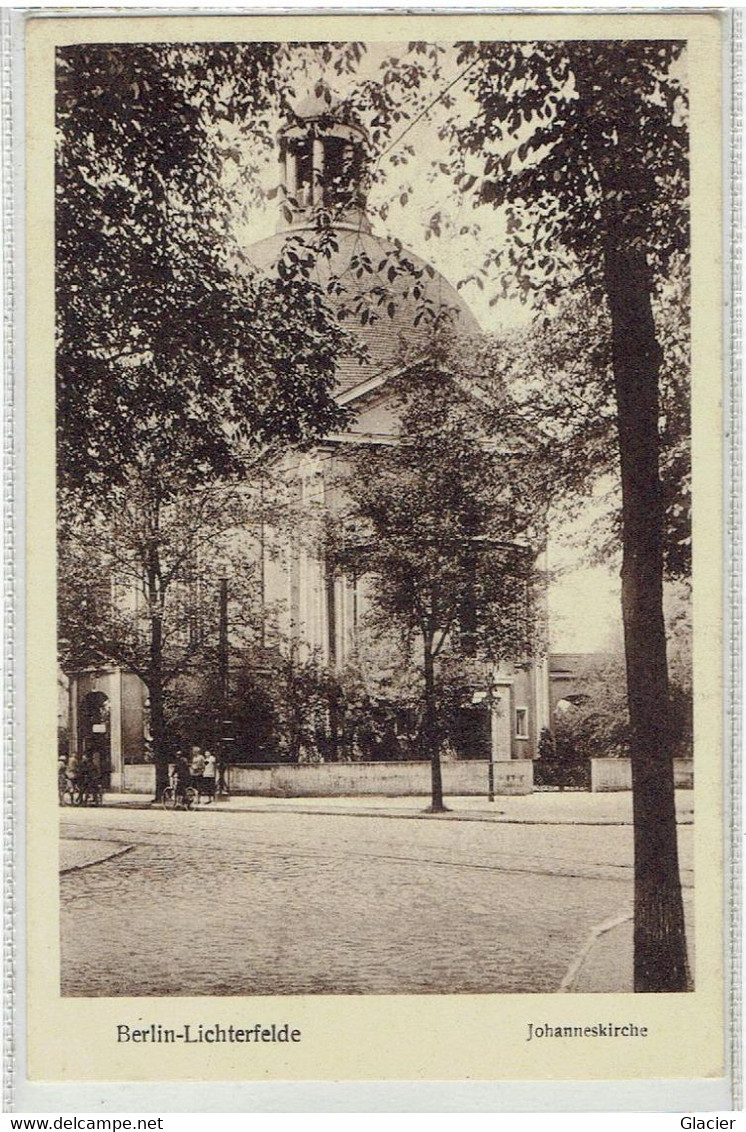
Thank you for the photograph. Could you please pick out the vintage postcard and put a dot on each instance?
(374, 564)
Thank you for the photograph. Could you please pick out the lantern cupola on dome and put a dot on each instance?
(322, 164)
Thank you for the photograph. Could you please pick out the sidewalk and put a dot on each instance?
(605, 966)
(550, 808)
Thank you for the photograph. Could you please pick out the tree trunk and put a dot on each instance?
(660, 957)
(158, 730)
(432, 746)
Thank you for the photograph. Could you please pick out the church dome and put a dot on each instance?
(393, 328)
(386, 291)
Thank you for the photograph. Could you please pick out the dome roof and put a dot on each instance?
(388, 335)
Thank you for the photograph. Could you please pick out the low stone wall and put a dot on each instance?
(328, 780)
(400, 779)
(616, 774)
(138, 778)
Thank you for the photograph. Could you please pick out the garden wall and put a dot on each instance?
(327, 780)
(138, 778)
(616, 774)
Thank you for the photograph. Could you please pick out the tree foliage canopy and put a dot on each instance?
(170, 360)
(583, 142)
(445, 523)
(157, 560)
(559, 373)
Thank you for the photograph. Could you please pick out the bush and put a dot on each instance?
(561, 764)
(594, 722)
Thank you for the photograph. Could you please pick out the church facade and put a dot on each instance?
(319, 607)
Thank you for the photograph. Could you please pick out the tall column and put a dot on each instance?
(330, 611)
(303, 596)
(341, 603)
(318, 172)
(115, 728)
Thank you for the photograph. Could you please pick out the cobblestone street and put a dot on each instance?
(157, 903)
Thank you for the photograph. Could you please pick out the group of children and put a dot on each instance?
(80, 776)
(83, 774)
(200, 772)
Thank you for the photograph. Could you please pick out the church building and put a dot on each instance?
(322, 154)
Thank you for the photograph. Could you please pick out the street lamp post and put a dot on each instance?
(524, 554)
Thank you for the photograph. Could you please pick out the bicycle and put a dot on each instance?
(175, 799)
(89, 794)
(81, 792)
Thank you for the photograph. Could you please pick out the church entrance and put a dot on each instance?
(94, 733)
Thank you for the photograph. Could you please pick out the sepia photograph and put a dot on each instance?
(373, 509)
